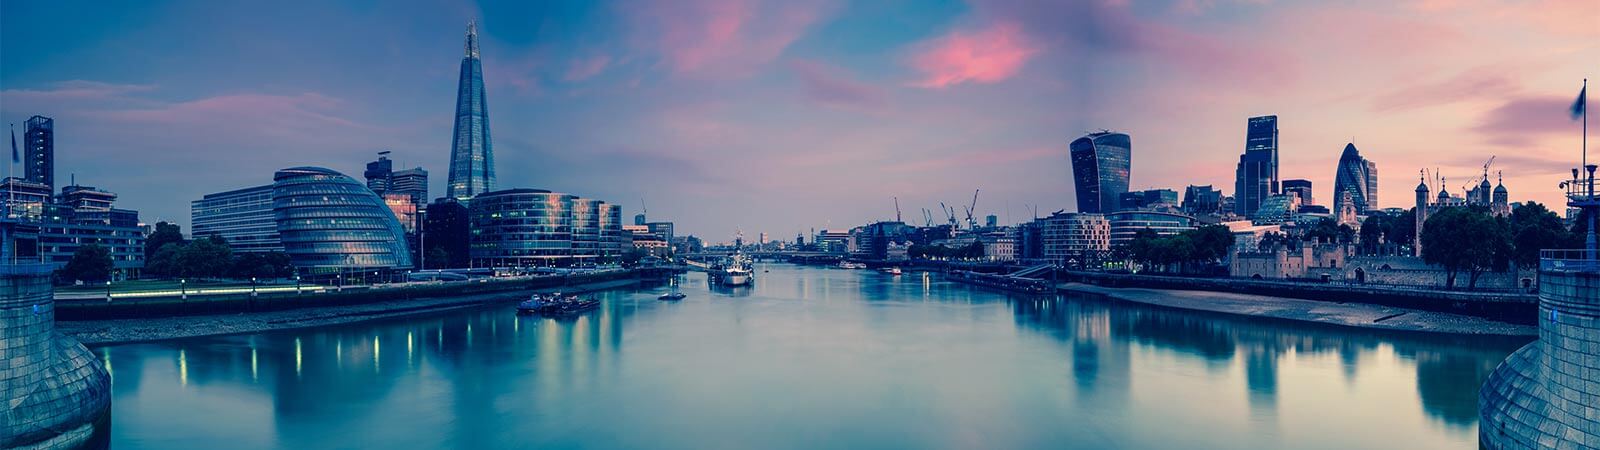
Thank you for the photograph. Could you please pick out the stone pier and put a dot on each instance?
(1547, 394)
(57, 394)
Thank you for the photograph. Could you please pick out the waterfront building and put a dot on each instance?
(447, 235)
(643, 239)
(1073, 238)
(1101, 167)
(24, 199)
(1315, 261)
(1201, 200)
(1299, 188)
(833, 241)
(612, 239)
(1357, 177)
(663, 229)
(1148, 199)
(471, 149)
(1256, 177)
(85, 216)
(873, 240)
(1124, 225)
(586, 230)
(331, 223)
(521, 228)
(39, 151)
(405, 211)
(243, 217)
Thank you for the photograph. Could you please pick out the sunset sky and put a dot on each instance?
(782, 116)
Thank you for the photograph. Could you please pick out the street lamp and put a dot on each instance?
(339, 282)
(296, 285)
(252, 286)
(183, 287)
(108, 291)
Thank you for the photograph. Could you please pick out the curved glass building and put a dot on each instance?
(330, 222)
(1357, 176)
(1101, 164)
(521, 228)
(586, 230)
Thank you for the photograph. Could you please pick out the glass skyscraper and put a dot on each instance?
(1257, 175)
(471, 155)
(1359, 177)
(1100, 169)
(328, 221)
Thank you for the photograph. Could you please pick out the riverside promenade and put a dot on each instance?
(96, 321)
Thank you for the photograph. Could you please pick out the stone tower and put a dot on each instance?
(1422, 217)
(56, 394)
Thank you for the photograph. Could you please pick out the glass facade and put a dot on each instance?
(471, 154)
(1356, 176)
(327, 220)
(1257, 175)
(521, 228)
(586, 229)
(39, 151)
(243, 217)
(1101, 164)
(1126, 224)
(612, 240)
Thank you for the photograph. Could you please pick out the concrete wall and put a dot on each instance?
(1547, 395)
(56, 393)
(1411, 271)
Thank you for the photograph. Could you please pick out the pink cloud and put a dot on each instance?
(1520, 121)
(1492, 82)
(827, 85)
(986, 56)
(722, 38)
(583, 69)
(973, 159)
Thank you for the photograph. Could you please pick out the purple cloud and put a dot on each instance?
(828, 86)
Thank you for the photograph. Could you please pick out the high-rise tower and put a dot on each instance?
(471, 155)
(1257, 175)
(39, 155)
(1359, 177)
(1101, 165)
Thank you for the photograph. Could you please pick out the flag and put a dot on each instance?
(15, 158)
(1577, 106)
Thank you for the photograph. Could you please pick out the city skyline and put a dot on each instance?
(721, 116)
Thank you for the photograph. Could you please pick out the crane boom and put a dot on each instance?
(897, 209)
(972, 224)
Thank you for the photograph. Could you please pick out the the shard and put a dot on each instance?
(471, 154)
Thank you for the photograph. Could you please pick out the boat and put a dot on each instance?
(890, 270)
(556, 304)
(734, 271)
(672, 296)
(851, 265)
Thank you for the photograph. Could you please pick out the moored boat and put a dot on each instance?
(672, 296)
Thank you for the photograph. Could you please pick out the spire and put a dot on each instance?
(472, 38)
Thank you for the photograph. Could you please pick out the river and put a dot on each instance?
(807, 358)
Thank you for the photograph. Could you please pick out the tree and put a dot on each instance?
(1465, 239)
(91, 263)
(1533, 228)
(261, 265)
(165, 263)
(205, 258)
(438, 258)
(1327, 231)
(164, 233)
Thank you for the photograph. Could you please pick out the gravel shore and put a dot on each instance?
(121, 331)
(1345, 314)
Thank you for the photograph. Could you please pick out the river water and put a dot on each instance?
(808, 358)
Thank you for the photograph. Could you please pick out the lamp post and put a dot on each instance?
(108, 291)
(338, 281)
(183, 288)
(252, 287)
(297, 285)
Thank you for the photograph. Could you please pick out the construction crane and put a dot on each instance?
(927, 217)
(1486, 167)
(948, 213)
(972, 223)
(897, 209)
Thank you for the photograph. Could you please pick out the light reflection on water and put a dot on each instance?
(808, 358)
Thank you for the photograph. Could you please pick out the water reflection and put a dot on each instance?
(805, 358)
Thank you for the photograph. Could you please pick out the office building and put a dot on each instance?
(1256, 177)
(612, 239)
(25, 199)
(446, 235)
(1202, 200)
(1357, 177)
(39, 151)
(1124, 225)
(330, 223)
(1100, 170)
(1072, 238)
(663, 229)
(1277, 209)
(85, 216)
(520, 228)
(471, 150)
(413, 182)
(1299, 188)
(643, 239)
(380, 173)
(586, 230)
(1148, 199)
(243, 217)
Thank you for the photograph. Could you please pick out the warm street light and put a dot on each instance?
(252, 286)
(108, 291)
(183, 287)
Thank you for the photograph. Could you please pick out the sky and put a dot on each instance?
(786, 116)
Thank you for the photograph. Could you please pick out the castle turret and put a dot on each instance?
(1422, 216)
(1501, 204)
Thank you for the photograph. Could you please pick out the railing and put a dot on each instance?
(1569, 260)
